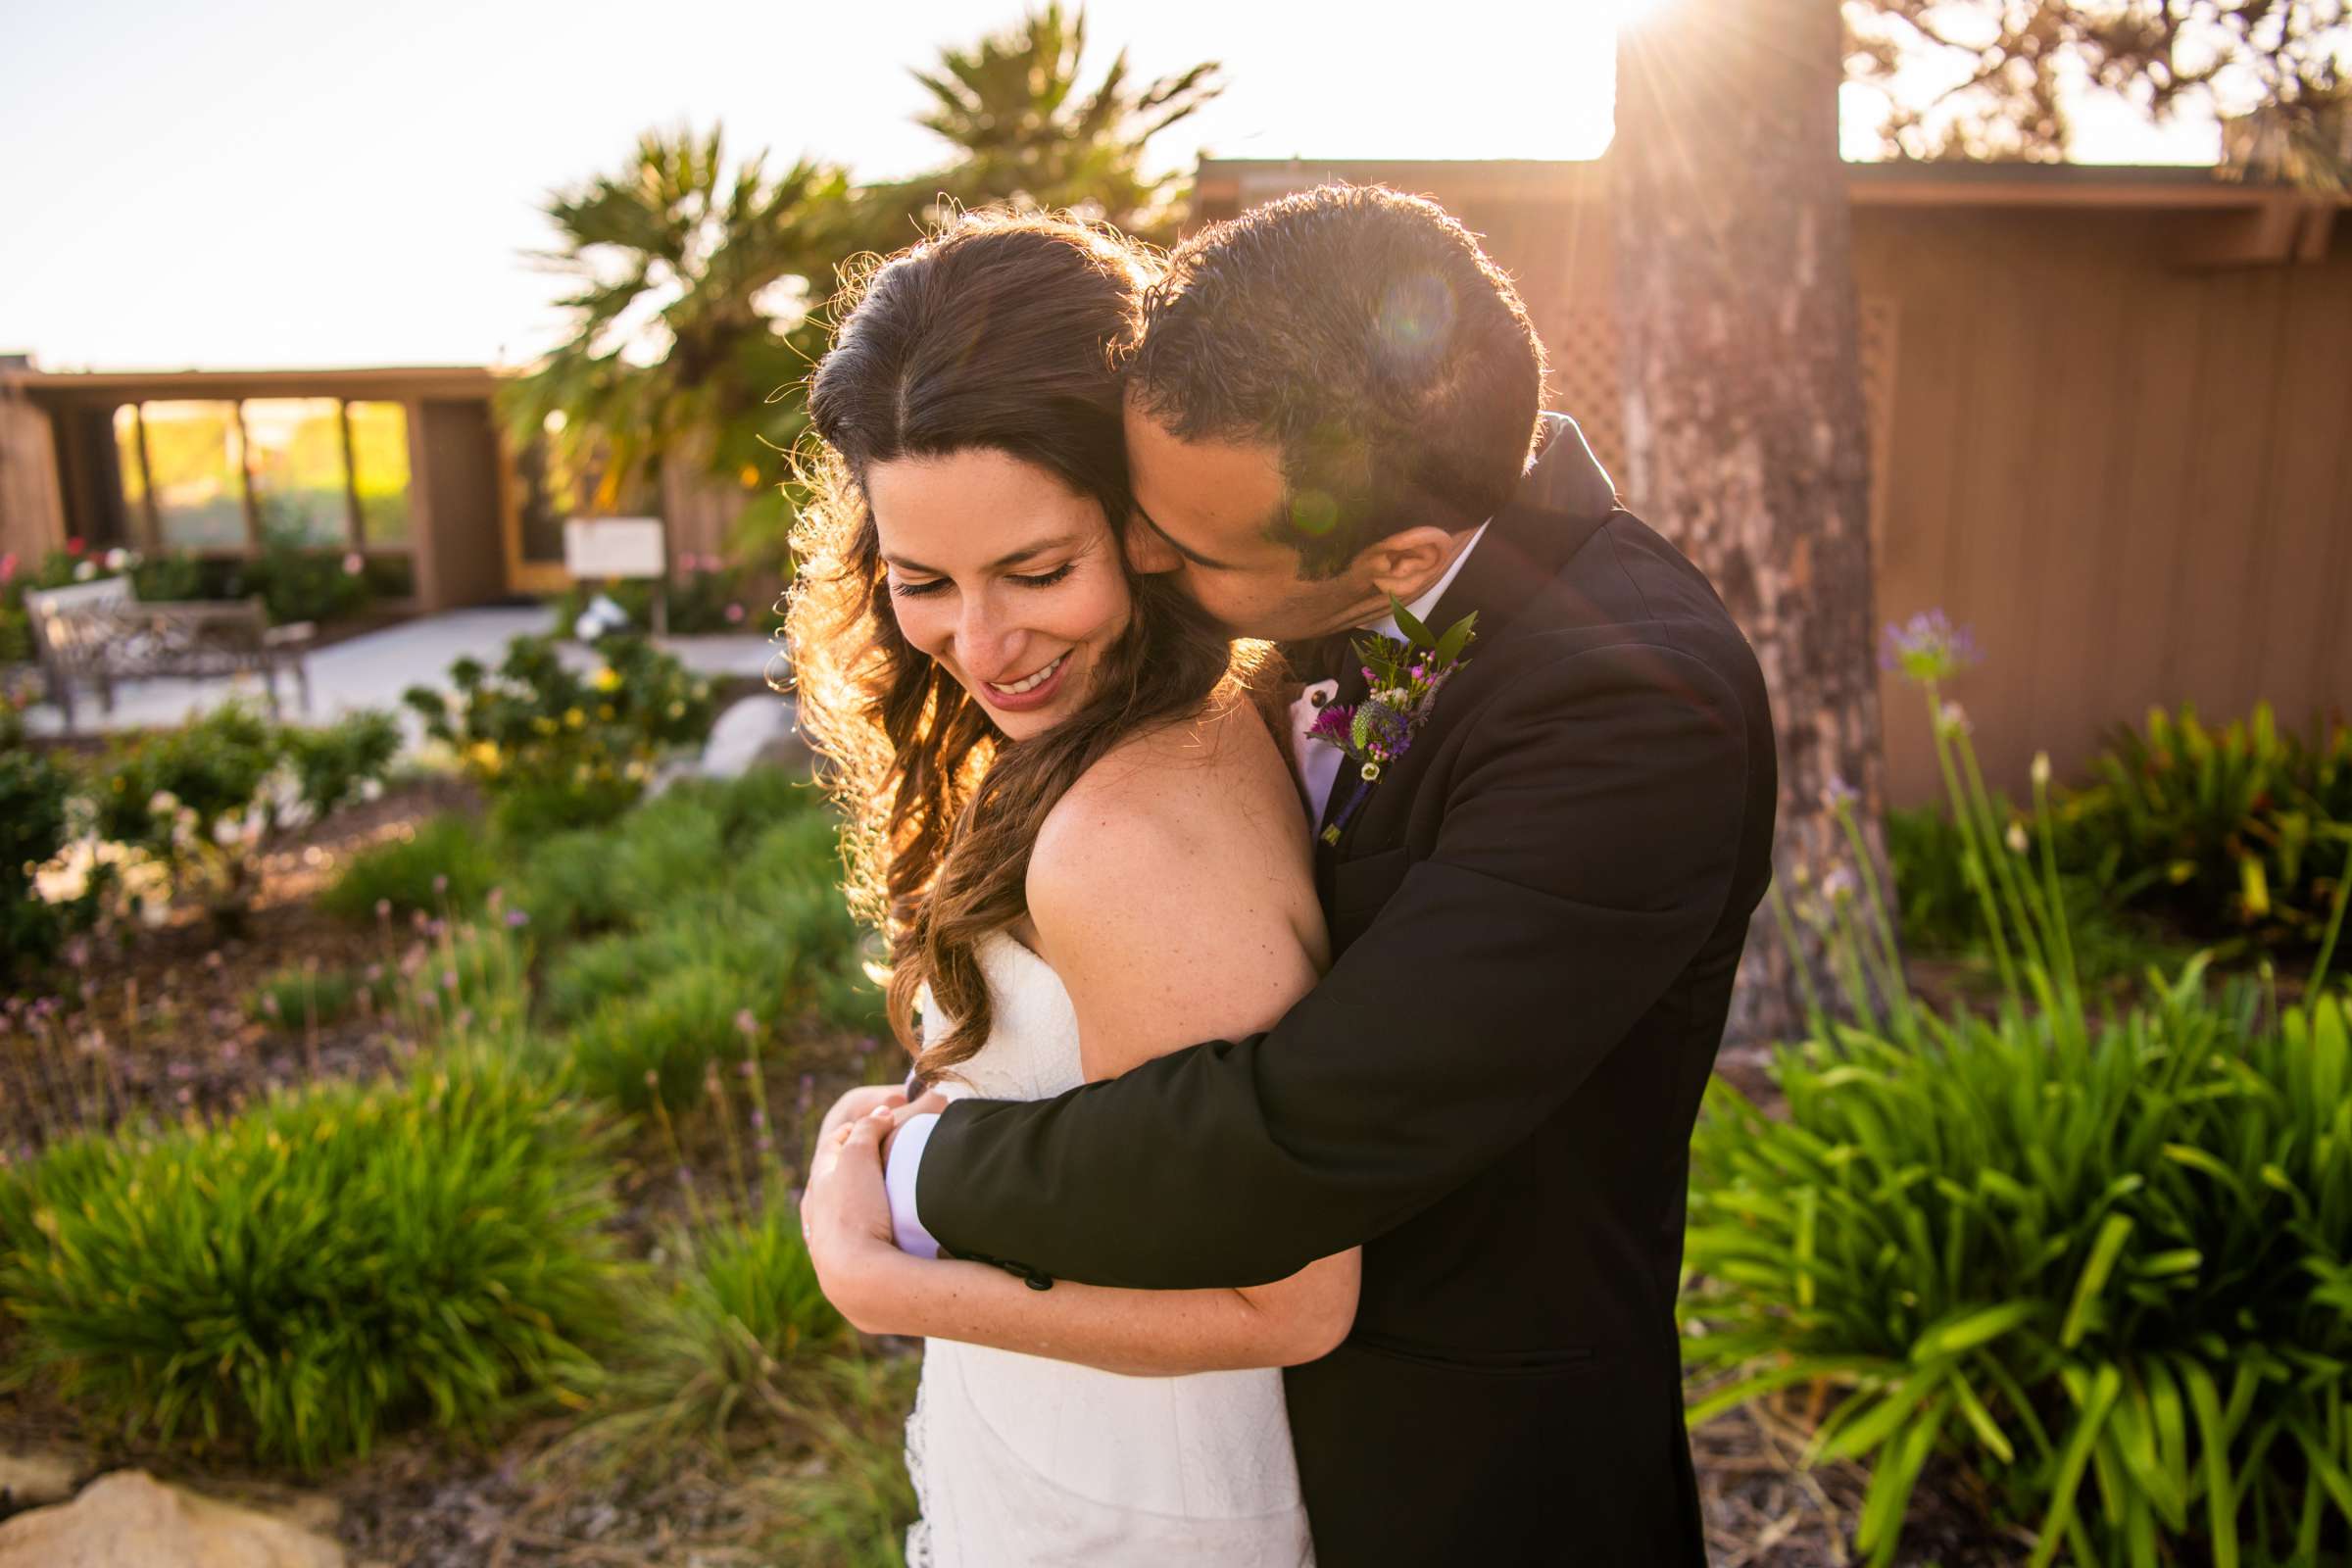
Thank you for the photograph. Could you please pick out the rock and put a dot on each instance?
(757, 731)
(131, 1517)
(30, 1480)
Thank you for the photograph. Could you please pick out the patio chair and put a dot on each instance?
(102, 632)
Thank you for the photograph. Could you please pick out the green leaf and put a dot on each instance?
(1457, 637)
(1971, 1329)
(1411, 624)
(2112, 1236)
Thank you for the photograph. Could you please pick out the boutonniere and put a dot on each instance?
(1401, 679)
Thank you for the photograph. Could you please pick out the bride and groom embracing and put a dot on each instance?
(1319, 1027)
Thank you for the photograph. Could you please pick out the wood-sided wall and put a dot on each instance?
(2129, 476)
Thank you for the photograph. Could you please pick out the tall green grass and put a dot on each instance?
(2099, 1258)
(325, 1267)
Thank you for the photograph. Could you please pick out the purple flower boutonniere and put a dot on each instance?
(1401, 677)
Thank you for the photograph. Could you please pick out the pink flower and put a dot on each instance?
(353, 564)
(734, 615)
(8, 567)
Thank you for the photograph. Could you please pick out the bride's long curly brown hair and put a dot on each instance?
(1000, 333)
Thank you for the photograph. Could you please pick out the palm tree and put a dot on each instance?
(1024, 131)
(692, 306)
(699, 306)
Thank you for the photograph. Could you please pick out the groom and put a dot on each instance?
(1537, 913)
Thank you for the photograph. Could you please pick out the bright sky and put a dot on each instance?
(285, 182)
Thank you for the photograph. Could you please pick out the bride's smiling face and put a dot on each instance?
(1003, 575)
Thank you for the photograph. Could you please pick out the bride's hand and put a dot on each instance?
(845, 1216)
(857, 1103)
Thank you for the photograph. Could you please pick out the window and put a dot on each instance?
(294, 452)
(320, 474)
(196, 471)
(379, 471)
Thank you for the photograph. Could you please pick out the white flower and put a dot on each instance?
(2041, 769)
(2016, 837)
(117, 559)
(85, 571)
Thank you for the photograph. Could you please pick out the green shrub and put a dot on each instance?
(555, 748)
(34, 792)
(298, 581)
(466, 979)
(1927, 854)
(445, 865)
(325, 1267)
(206, 799)
(736, 1337)
(2101, 1260)
(2235, 833)
(298, 998)
(657, 1043)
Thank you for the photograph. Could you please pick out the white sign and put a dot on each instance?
(614, 546)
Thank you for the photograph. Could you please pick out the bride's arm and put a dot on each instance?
(1140, 1333)
(1173, 896)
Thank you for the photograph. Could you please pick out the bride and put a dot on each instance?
(1070, 816)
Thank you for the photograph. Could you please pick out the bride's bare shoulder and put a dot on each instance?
(1173, 889)
(1211, 786)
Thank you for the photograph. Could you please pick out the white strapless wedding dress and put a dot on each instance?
(1019, 1461)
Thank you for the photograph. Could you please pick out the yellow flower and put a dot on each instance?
(604, 710)
(573, 718)
(677, 709)
(484, 756)
(605, 678)
(545, 725)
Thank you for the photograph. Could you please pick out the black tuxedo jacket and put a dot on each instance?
(1537, 914)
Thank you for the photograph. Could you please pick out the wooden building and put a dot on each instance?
(2110, 419)
(403, 467)
(408, 468)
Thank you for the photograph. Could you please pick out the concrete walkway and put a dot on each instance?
(374, 669)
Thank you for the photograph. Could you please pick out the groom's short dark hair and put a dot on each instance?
(1365, 335)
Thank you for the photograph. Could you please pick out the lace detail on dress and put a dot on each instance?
(918, 1534)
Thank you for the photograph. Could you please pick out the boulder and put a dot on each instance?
(131, 1517)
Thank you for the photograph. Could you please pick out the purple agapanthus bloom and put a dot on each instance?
(1927, 647)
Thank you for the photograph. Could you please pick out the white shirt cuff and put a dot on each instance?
(906, 1164)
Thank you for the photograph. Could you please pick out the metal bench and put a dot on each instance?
(102, 633)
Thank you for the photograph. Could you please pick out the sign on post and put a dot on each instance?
(620, 547)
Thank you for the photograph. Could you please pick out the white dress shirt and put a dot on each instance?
(1318, 766)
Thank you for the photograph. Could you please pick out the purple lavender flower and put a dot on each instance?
(517, 919)
(1927, 647)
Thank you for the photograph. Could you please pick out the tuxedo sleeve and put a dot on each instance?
(1592, 822)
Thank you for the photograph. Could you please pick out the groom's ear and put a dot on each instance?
(1406, 563)
(1148, 554)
